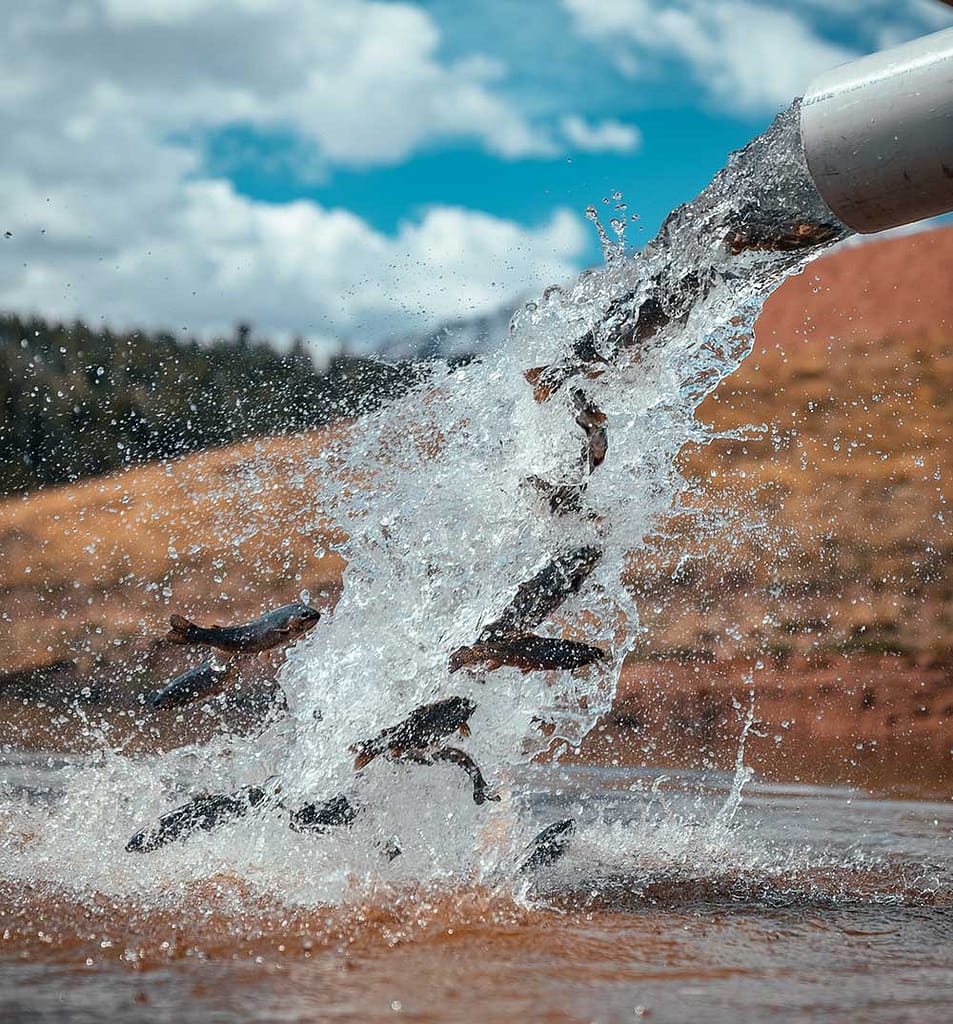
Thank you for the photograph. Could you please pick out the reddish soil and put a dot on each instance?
(878, 723)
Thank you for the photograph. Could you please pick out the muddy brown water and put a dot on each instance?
(814, 903)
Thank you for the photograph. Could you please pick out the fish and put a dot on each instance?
(548, 846)
(205, 680)
(561, 498)
(527, 652)
(389, 848)
(269, 630)
(593, 352)
(775, 231)
(319, 817)
(629, 323)
(422, 728)
(567, 497)
(453, 755)
(540, 595)
(200, 814)
(593, 422)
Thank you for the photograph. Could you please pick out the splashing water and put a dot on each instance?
(443, 523)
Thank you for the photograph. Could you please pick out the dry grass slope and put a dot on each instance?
(217, 535)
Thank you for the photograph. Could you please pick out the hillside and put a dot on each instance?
(78, 402)
(839, 546)
(852, 374)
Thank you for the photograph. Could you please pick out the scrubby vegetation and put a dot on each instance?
(77, 402)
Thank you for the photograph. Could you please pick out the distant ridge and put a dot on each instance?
(76, 402)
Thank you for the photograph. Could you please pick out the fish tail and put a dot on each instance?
(365, 754)
(182, 631)
(482, 793)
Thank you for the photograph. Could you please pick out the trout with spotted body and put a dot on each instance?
(422, 728)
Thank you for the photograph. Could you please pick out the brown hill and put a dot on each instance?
(870, 289)
(852, 373)
(94, 568)
(849, 552)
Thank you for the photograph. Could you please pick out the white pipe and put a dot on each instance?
(878, 135)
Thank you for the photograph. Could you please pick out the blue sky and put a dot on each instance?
(354, 169)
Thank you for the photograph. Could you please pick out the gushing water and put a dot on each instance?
(450, 500)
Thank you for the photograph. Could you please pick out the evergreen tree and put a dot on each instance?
(77, 402)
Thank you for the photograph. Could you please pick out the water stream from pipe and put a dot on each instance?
(444, 516)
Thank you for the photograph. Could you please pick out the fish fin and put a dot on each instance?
(179, 633)
(363, 759)
(464, 729)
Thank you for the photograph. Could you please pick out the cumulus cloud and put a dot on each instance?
(747, 57)
(608, 136)
(113, 215)
(208, 255)
(360, 78)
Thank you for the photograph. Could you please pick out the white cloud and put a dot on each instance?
(114, 217)
(746, 56)
(361, 79)
(916, 18)
(203, 256)
(607, 136)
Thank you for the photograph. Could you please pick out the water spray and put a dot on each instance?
(486, 524)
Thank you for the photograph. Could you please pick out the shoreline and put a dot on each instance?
(882, 724)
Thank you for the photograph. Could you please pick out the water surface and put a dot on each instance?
(809, 904)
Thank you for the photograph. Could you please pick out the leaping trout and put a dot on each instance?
(276, 627)
(422, 728)
(205, 680)
(527, 652)
(200, 814)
